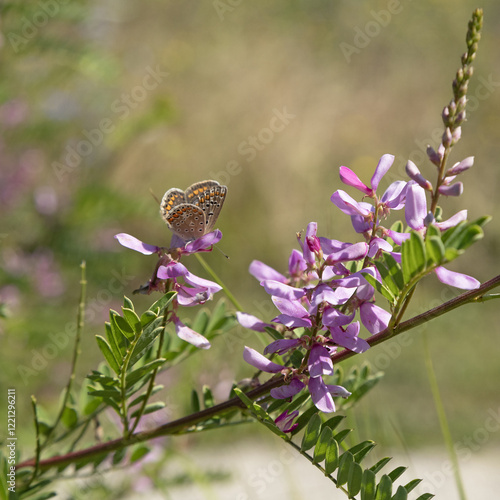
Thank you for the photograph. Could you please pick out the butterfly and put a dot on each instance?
(192, 213)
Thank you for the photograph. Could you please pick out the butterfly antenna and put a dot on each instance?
(154, 196)
(227, 256)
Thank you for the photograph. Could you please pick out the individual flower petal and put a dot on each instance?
(452, 190)
(333, 317)
(378, 244)
(171, 270)
(288, 390)
(291, 307)
(292, 321)
(416, 206)
(319, 362)
(458, 280)
(277, 289)
(331, 246)
(347, 176)
(374, 318)
(185, 333)
(384, 164)
(257, 360)
(320, 395)
(452, 221)
(348, 205)
(353, 252)
(281, 346)
(263, 272)
(251, 322)
(395, 195)
(296, 264)
(324, 293)
(398, 238)
(309, 255)
(202, 283)
(337, 391)
(191, 296)
(128, 241)
(349, 339)
(414, 173)
(284, 422)
(204, 242)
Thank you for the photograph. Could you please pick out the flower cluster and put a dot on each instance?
(170, 274)
(325, 290)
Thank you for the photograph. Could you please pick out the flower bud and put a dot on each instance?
(460, 167)
(433, 156)
(414, 173)
(452, 190)
(447, 138)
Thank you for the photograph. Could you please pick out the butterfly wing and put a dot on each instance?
(186, 221)
(172, 198)
(209, 196)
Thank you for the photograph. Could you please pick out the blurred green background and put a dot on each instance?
(102, 102)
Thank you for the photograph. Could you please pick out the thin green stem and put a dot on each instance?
(212, 273)
(80, 322)
(38, 446)
(443, 421)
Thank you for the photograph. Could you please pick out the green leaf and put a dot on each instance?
(150, 408)
(108, 353)
(304, 419)
(128, 303)
(163, 302)
(114, 342)
(334, 421)
(380, 464)
(451, 254)
(425, 496)
(208, 397)
(413, 256)
(122, 324)
(360, 450)
(195, 401)
(106, 393)
(354, 479)
(69, 417)
(368, 485)
(274, 334)
(381, 288)
(244, 398)
(345, 463)
(119, 455)
(387, 279)
(384, 488)
(394, 474)
(147, 317)
(394, 270)
(149, 335)
(140, 399)
(435, 251)
(331, 457)
(400, 494)
(139, 452)
(311, 433)
(140, 372)
(91, 406)
(340, 436)
(132, 319)
(322, 445)
(217, 317)
(412, 484)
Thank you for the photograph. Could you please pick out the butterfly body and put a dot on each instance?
(192, 213)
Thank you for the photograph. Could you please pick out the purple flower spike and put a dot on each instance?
(185, 333)
(128, 241)
(347, 176)
(458, 280)
(384, 164)
(264, 272)
(257, 360)
(285, 421)
(251, 322)
(288, 390)
(320, 362)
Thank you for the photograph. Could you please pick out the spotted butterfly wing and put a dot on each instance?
(209, 196)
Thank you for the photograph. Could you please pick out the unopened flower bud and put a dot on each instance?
(433, 156)
(414, 173)
(460, 167)
(447, 138)
(457, 134)
(452, 190)
(429, 219)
